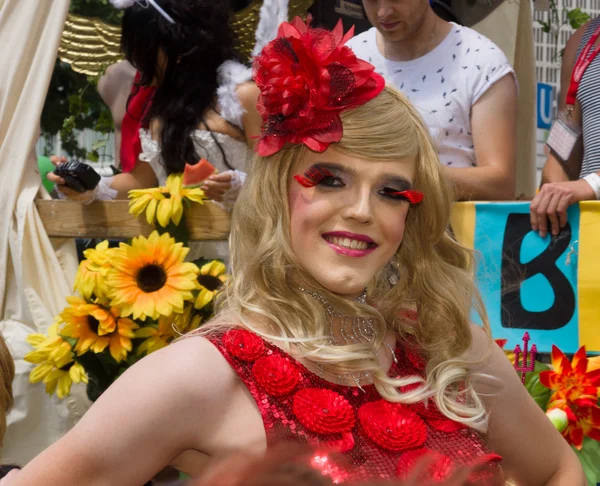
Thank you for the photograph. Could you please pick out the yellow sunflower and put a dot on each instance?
(55, 364)
(164, 203)
(90, 277)
(157, 337)
(187, 321)
(212, 277)
(150, 278)
(97, 328)
(50, 348)
(61, 379)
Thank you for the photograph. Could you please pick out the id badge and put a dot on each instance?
(562, 138)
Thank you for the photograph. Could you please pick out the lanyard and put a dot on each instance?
(583, 62)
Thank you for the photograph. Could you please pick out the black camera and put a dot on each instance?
(78, 176)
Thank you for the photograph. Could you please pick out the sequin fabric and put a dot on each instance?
(357, 435)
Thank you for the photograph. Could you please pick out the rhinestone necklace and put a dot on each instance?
(353, 330)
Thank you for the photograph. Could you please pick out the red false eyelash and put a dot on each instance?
(413, 197)
(313, 176)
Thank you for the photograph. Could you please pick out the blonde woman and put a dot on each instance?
(345, 195)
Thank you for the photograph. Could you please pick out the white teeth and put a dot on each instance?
(347, 243)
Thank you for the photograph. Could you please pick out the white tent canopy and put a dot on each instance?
(36, 273)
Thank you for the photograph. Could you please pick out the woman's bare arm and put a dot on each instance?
(533, 452)
(171, 401)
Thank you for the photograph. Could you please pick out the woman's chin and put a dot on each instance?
(346, 289)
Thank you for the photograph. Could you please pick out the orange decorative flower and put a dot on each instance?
(571, 381)
(576, 391)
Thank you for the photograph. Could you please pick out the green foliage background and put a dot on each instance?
(73, 103)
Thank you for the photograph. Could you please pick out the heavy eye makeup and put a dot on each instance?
(320, 174)
(331, 175)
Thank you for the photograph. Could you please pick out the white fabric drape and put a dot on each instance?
(36, 273)
(510, 26)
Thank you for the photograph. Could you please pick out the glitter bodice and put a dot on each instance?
(375, 439)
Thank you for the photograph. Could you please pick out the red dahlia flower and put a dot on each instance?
(307, 77)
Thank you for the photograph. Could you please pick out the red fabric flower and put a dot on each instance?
(440, 468)
(307, 77)
(323, 411)
(436, 419)
(392, 426)
(278, 376)
(344, 444)
(243, 344)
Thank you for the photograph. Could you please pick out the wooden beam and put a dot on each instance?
(111, 219)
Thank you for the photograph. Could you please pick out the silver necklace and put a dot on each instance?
(353, 330)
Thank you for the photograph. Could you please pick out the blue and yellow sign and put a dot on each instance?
(549, 286)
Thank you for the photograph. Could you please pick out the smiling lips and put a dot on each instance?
(350, 244)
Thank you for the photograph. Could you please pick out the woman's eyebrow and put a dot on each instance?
(389, 178)
(332, 166)
(397, 181)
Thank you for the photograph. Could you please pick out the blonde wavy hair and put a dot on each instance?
(434, 272)
(7, 375)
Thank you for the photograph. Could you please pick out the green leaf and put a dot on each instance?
(577, 18)
(538, 392)
(93, 156)
(589, 455)
(98, 144)
(545, 26)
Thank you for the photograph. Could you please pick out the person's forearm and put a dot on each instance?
(127, 181)
(481, 183)
(553, 171)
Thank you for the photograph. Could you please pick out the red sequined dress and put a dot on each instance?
(376, 438)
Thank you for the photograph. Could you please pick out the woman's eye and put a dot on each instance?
(410, 195)
(331, 181)
(318, 176)
(392, 193)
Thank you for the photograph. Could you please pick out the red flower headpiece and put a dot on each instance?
(307, 77)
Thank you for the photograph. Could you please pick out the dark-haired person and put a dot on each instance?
(203, 105)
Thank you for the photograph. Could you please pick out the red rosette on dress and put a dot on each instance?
(243, 344)
(439, 470)
(307, 77)
(323, 411)
(392, 426)
(436, 419)
(277, 375)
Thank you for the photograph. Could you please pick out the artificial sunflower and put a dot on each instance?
(97, 328)
(212, 277)
(188, 320)
(61, 379)
(149, 278)
(49, 351)
(164, 204)
(90, 277)
(157, 336)
(575, 391)
(56, 367)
